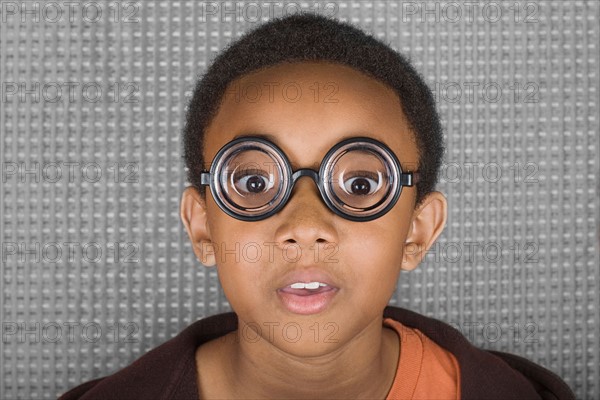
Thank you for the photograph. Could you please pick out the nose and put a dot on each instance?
(305, 219)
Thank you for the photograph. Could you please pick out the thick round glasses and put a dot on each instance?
(359, 179)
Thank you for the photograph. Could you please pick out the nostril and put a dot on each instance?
(321, 240)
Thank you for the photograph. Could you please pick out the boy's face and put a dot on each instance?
(308, 108)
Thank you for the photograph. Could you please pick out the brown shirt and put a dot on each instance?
(169, 370)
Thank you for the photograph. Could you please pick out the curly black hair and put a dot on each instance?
(308, 37)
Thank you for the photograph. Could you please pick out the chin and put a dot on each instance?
(307, 348)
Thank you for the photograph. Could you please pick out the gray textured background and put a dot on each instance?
(516, 269)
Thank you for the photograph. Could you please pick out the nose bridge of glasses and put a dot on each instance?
(305, 172)
(310, 173)
(314, 175)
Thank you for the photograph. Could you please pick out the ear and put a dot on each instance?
(194, 218)
(427, 223)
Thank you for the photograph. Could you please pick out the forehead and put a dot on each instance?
(306, 108)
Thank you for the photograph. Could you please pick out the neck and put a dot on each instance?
(364, 367)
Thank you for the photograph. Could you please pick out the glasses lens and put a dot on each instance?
(251, 180)
(361, 179)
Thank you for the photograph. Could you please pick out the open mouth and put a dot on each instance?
(307, 297)
(306, 289)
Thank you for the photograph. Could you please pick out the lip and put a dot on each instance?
(307, 304)
(308, 275)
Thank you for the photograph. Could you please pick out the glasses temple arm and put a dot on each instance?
(205, 178)
(410, 178)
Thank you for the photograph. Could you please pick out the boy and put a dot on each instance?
(322, 148)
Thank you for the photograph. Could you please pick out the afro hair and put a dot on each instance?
(308, 37)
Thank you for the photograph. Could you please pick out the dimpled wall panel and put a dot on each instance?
(96, 265)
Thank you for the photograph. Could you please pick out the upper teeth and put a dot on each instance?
(310, 285)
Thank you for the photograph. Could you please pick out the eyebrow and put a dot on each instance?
(257, 134)
(273, 139)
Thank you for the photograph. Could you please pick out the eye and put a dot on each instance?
(362, 183)
(252, 182)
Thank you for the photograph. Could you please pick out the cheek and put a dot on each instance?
(241, 275)
(377, 258)
(375, 264)
(225, 231)
(376, 252)
(241, 257)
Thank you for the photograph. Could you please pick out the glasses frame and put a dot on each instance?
(289, 178)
